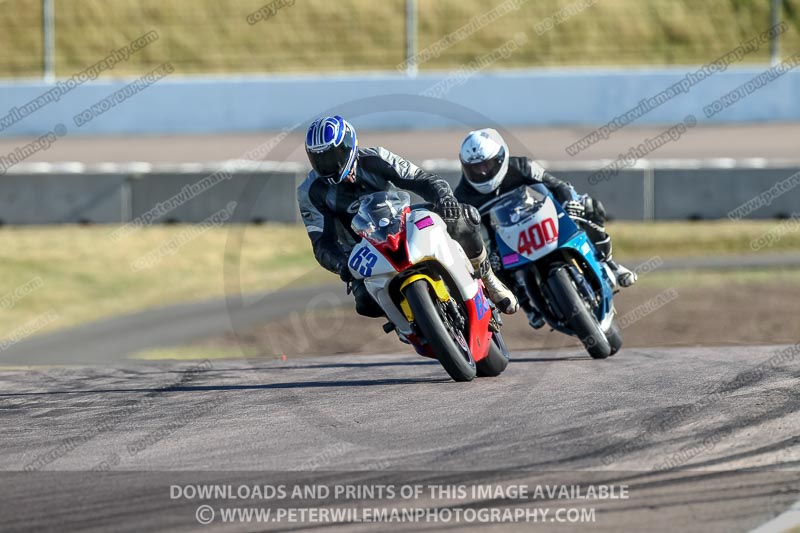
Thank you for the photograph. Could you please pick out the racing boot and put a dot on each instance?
(501, 295)
(625, 276)
(535, 317)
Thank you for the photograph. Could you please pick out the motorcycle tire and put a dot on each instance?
(495, 361)
(458, 363)
(577, 314)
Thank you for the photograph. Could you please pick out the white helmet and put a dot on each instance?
(484, 159)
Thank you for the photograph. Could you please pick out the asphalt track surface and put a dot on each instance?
(724, 421)
(729, 436)
(771, 141)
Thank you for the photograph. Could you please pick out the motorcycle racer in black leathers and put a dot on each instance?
(488, 170)
(342, 173)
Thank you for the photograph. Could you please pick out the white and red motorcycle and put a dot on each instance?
(424, 282)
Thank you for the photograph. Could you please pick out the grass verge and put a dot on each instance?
(663, 309)
(316, 35)
(82, 274)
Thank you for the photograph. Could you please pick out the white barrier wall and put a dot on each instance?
(393, 101)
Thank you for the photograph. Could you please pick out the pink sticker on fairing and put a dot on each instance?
(424, 223)
(510, 259)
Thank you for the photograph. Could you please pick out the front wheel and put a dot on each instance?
(576, 313)
(614, 336)
(445, 340)
(495, 361)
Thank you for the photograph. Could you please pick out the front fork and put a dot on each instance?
(524, 294)
(583, 286)
(525, 276)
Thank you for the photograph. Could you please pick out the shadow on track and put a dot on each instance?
(548, 359)
(222, 388)
(351, 365)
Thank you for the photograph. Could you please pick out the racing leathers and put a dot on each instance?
(327, 211)
(587, 212)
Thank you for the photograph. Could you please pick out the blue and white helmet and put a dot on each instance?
(484, 159)
(332, 147)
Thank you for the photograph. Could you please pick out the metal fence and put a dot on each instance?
(55, 38)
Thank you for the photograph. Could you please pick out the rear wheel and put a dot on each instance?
(447, 342)
(577, 314)
(495, 361)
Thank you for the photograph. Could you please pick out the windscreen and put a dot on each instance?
(381, 215)
(516, 206)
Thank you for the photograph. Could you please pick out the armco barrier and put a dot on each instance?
(41, 193)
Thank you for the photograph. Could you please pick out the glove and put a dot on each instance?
(574, 208)
(449, 209)
(495, 261)
(345, 274)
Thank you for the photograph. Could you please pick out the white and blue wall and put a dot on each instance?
(235, 104)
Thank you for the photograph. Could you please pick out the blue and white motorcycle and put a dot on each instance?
(555, 264)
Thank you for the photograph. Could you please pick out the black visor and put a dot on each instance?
(484, 171)
(330, 162)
